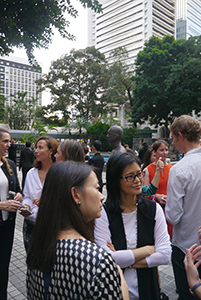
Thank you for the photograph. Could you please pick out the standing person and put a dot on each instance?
(183, 208)
(12, 151)
(135, 226)
(143, 150)
(97, 161)
(46, 148)
(70, 150)
(26, 161)
(114, 137)
(149, 158)
(8, 208)
(160, 149)
(63, 262)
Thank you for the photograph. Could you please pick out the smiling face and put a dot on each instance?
(162, 152)
(59, 156)
(4, 144)
(42, 151)
(131, 188)
(90, 198)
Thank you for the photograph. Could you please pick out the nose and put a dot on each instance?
(102, 197)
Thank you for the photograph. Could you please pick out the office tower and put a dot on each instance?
(130, 23)
(188, 18)
(16, 75)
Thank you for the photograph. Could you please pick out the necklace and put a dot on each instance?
(130, 228)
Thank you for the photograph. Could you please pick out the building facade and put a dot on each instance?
(130, 23)
(16, 75)
(188, 18)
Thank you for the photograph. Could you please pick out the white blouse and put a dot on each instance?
(32, 190)
(125, 258)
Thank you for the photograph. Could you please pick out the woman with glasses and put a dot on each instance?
(135, 226)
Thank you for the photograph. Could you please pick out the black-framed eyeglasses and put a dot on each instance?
(131, 178)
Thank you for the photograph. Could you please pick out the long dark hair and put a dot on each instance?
(57, 211)
(146, 159)
(115, 167)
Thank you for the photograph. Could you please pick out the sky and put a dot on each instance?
(60, 46)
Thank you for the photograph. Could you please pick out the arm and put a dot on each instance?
(191, 267)
(175, 195)
(124, 258)
(145, 180)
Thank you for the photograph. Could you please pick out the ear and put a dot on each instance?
(75, 194)
(181, 136)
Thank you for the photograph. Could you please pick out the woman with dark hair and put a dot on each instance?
(62, 252)
(149, 158)
(70, 150)
(160, 149)
(135, 226)
(8, 207)
(46, 148)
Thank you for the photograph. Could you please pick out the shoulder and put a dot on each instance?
(146, 206)
(32, 172)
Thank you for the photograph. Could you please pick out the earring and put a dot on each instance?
(79, 203)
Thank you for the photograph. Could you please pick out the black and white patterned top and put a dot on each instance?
(82, 270)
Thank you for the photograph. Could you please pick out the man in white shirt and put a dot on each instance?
(183, 207)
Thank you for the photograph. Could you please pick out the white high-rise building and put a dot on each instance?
(130, 23)
(16, 75)
(188, 18)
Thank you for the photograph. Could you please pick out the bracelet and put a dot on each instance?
(192, 290)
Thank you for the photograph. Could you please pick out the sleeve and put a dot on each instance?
(123, 258)
(20, 165)
(26, 191)
(149, 190)
(175, 195)
(17, 185)
(106, 283)
(162, 241)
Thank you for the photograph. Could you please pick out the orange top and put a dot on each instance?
(162, 187)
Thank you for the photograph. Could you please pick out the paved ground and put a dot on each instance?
(17, 275)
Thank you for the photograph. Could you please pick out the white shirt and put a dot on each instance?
(3, 191)
(125, 258)
(32, 190)
(183, 207)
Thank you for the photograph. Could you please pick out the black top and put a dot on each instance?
(13, 184)
(26, 158)
(98, 161)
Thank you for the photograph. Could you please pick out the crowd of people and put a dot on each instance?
(82, 246)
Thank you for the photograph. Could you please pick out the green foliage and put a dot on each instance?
(120, 83)
(21, 114)
(77, 83)
(167, 80)
(98, 131)
(129, 135)
(30, 24)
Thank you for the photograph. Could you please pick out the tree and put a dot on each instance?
(77, 83)
(30, 23)
(98, 131)
(167, 80)
(21, 114)
(121, 74)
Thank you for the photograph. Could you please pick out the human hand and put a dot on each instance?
(160, 164)
(111, 246)
(162, 199)
(150, 250)
(199, 234)
(191, 267)
(36, 201)
(26, 213)
(18, 197)
(11, 205)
